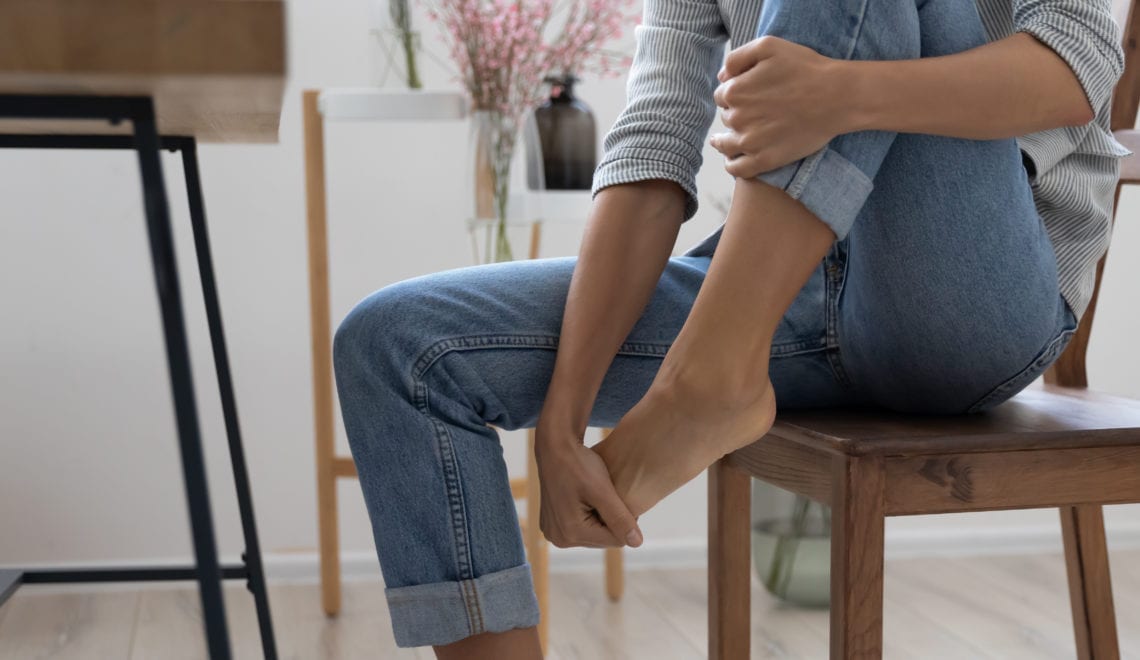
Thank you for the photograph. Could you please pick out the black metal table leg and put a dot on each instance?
(252, 555)
(178, 357)
(146, 143)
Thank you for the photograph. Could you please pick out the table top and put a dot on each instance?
(215, 68)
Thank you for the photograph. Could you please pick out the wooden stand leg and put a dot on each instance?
(730, 575)
(615, 564)
(321, 329)
(1090, 586)
(615, 574)
(537, 548)
(857, 524)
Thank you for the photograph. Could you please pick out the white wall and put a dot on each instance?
(88, 462)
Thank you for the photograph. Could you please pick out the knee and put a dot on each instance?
(376, 332)
(846, 29)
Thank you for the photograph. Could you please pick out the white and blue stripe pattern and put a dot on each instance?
(680, 46)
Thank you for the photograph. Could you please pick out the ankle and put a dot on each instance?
(728, 389)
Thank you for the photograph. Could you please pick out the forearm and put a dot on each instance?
(1003, 89)
(628, 240)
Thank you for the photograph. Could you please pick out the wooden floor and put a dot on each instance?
(1004, 607)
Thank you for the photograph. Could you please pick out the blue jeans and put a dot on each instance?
(939, 296)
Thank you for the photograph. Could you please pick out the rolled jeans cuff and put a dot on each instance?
(828, 184)
(445, 612)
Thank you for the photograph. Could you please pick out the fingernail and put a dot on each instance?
(633, 539)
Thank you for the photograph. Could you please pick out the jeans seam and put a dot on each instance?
(456, 505)
(792, 349)
(836, 272)
(430, 355)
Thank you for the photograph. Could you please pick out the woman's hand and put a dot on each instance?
(580, 506)
(782, 102)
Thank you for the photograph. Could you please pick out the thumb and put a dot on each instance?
(617, 518)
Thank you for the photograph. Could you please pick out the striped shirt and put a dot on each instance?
(680, 47)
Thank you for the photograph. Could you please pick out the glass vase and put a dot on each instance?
(791, 545)
(491, 150)
(394, 43)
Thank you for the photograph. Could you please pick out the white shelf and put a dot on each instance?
(376, 104)
(553, 206)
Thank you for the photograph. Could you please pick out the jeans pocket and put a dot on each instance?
(1009, 388)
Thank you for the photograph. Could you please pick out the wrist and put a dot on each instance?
(859, 100)
(559, 421)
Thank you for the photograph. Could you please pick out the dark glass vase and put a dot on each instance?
(568, 134)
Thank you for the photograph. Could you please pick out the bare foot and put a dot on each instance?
(677, 430)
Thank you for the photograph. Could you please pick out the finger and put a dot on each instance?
(730, 144)
(719, 94)
(583, 528)
(747, 56)
(616, 516)
(746, 166)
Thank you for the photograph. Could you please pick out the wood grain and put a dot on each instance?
(1037, 418)
(215, 68)
(729, 570)
(320, 328)
(1090, 584)
(794, 466)
(982, 608)
(95, 626)
(857, 529)
(1012, 480)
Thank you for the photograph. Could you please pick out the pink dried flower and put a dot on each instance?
(504, 48)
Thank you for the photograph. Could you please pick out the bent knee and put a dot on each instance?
(379, 329)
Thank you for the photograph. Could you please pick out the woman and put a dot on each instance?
(923, 189)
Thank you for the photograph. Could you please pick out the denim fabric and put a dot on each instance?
(941, 296)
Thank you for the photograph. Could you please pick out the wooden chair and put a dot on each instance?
(1062, 446)
(331, 466)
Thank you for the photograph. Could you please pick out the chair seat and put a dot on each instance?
(1047, 417)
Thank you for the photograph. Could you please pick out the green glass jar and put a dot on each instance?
(791, 545)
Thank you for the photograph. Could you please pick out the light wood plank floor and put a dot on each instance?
(999, 607)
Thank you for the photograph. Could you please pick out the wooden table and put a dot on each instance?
(147, 75)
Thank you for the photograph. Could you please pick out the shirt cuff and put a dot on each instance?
(1096, 69)
(633, 164)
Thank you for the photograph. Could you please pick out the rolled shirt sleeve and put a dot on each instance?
(1084, 34)
(660, 133)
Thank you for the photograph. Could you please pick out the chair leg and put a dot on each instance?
(1090, 586)
(730, 574)
(538, 552)
(857, 524)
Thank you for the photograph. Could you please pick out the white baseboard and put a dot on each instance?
(692, 552)
(304, 567)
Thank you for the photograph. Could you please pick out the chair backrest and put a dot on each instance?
(1069, 369)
